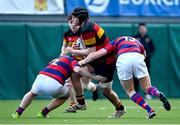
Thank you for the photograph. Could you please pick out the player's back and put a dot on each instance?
(94, 36)
(126, 44)
(60, 68)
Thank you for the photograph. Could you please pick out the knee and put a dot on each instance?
(65, 96)
(32, 94)
(106, 92)
(145, 89)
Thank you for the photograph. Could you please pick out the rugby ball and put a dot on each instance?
(80, 43)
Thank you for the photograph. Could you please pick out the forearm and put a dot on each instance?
(63, 49)
(93, 56)
(83, 52)
(81, 71)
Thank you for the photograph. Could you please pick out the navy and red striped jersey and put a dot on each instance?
(60, 68)
(125, 44)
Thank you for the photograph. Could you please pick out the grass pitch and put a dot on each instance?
(96, 113)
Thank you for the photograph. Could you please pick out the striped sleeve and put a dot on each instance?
(142, 50)
(109, 47)
(98, 30)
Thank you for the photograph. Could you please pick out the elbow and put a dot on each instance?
(78, 70)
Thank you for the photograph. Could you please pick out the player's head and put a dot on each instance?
(74, 28)
(142, 28)
(80, 13)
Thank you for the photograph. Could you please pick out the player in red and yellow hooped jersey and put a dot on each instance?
(94, 38)
(130, 62)
(50, 81)
(72, 38)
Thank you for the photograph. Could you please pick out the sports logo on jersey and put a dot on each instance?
(97, 6)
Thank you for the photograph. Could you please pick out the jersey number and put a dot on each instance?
(130, 39)
(54, 62)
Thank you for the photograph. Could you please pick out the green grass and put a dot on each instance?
(97, 113)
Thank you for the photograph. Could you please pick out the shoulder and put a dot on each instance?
(89, 25)
(68, 33)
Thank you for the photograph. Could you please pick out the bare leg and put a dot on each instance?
(52, 105)
(111, 96)
(87, 84)
(146, 86)
(56, 103)
(76, 84)
(128, 86)
(75, 78)
(72, 96)
(26, 101)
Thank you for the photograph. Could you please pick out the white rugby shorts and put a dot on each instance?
(46, 85)
(129, 64)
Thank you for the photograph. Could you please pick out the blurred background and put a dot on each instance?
(31, 35)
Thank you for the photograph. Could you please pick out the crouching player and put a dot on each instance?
(130, 62)
(50, 80)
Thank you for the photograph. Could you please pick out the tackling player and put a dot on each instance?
(50, 80)
(94, 38)
(130, 62)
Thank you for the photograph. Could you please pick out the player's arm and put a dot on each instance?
(83, 52)
(63, 48)
(143, 51)
(93, 56)
(83, 72)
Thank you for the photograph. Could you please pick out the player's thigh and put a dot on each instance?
(139, 66)
(106, 70)
(127, 85)
(124, 67)
(145, 82)
(47, 85)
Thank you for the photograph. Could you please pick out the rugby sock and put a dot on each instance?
(45, 111)
(19, 110)
(136, 97)
(80, 99)
(153, 91)
(119, 106)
